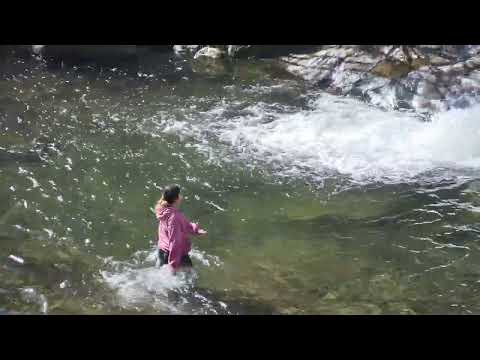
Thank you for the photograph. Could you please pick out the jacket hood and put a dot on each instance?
(163, 213)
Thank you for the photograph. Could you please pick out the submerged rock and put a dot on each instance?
(400, 309)
(383, 287)
(29, 156)
(330, 296)
(360, 309)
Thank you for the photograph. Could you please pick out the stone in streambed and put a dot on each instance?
(384, 287)
(210, 61)
(180, 49)
(209, 53)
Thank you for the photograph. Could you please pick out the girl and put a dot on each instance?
(173, 231)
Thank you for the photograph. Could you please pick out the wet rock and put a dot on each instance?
(17, 259)
(37, 49)
(431, 79)
(428, 90)
(186, 49)
(439, 61)
(237, 50)
(330, 296)
(210, 61)
(317, 67)
(391, 69)
(209, 52)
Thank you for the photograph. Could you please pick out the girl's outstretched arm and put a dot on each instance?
(194, 229)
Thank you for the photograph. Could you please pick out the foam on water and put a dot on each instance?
(139, 285)
(337, 136)
(145, 288)
(33, 296)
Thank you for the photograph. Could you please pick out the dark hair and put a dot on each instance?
(171, 193)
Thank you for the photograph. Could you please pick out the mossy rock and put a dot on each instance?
(332, 295)
(419, 63)
(391, 70)
(396, 69)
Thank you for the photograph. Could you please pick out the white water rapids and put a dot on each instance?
(337, 135)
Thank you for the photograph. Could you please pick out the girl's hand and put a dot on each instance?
(202, 232)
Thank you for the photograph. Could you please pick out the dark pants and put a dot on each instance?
(163, 256)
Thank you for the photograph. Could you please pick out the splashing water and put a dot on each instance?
(140, 286)
(403, 239)
(342, 136)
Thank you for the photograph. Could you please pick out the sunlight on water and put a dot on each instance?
(342, 136)
(314, 204)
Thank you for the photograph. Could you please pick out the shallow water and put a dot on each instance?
(314, 204)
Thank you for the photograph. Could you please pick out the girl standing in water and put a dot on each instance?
(173, 231)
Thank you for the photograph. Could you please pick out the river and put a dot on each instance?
(314, 203)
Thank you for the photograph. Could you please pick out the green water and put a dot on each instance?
(80, 217)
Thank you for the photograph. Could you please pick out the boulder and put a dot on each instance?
(425, 78)
(210, 61)
(186, 49)
(209, 53)
(37, 49)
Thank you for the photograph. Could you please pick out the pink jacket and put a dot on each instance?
(173, 232)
